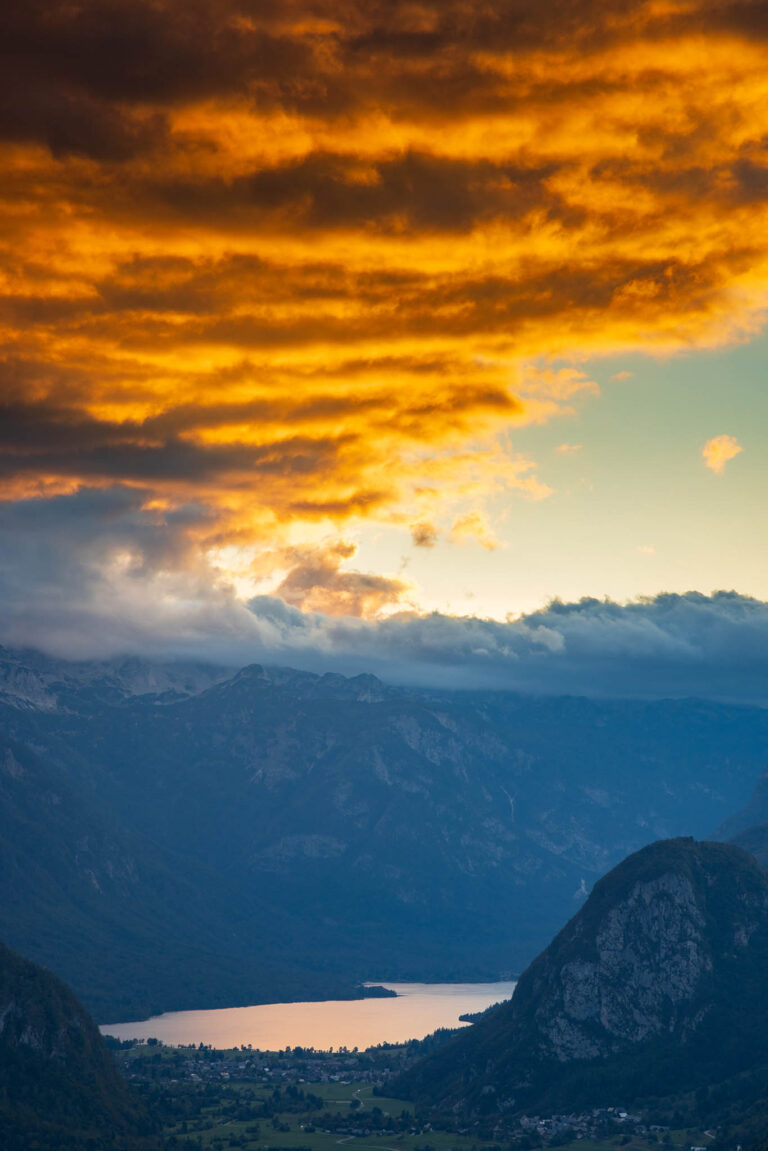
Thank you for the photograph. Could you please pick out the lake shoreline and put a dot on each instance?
(400, 1012)
(357, 992)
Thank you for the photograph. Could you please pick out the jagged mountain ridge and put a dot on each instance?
(379, 832)
(43, 683)
(655, 986)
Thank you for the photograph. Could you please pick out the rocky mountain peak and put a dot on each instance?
(641, 978)
(650, 949)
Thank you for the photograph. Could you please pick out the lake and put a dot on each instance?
(419, 1009)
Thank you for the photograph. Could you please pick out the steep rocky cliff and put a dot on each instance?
(656, 985)
(59, 1087)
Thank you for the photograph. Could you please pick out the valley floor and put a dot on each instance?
(215, 1100)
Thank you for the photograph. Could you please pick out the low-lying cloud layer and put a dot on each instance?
(93, 575)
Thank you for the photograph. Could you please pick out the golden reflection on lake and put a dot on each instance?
(419, 1009)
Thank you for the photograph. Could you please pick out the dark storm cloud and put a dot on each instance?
(70, 73)
(747, 17)
(75, 74)
(57, 547)
(139, 50)
(418, 189)
(48, 438)
(172, 460)
(260, 305)
(72, 122)
(414, 191)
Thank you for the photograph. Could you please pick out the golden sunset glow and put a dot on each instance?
(305, 265)
(719, 450)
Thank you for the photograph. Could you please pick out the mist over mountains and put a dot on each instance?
(277, 834)
(670, 645)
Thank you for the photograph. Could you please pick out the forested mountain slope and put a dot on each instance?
(59, 1087)
(284, 834)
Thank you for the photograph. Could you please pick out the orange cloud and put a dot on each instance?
(317, 582)
(304, 265)
(719, 450)
(473, 528)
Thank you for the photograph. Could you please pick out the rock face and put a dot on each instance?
(650, 958)
(655, 985)
(58, 1084)
(280, 834)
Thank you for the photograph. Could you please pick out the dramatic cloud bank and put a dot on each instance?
(272, 273)
(297, 263)
(93, 576)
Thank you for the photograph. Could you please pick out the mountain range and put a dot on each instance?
(190, 836)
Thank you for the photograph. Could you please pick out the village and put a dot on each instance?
(343, 1093)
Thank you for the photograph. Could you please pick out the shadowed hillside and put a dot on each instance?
(59, 1087)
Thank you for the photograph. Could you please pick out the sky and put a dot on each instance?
(329, 329)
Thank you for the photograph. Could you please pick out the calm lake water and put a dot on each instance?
(419, 1009)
